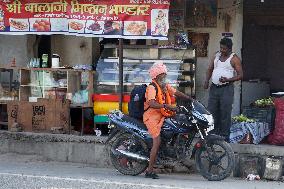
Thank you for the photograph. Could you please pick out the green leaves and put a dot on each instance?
(264, 102)
(242, 118)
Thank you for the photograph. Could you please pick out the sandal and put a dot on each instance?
(151, 175)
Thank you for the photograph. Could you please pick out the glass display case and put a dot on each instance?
(32, 83)
(137, 61)
(56, 84)
(42, 84)
(135, 72)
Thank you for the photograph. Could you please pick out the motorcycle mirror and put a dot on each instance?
(180, 108)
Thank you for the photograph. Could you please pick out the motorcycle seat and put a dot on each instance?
(135, 122)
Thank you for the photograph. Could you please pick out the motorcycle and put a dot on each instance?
(183, 136)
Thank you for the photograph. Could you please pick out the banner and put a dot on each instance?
(130, 19)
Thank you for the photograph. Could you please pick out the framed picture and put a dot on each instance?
(201, 13)
(200, 41)
(176, 19)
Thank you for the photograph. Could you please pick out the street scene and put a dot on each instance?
(141, 94)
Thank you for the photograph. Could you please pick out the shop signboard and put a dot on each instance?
(130, 19)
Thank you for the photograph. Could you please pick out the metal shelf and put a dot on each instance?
(185, 83)
(45, 86)
(128, 61)
(111, 46)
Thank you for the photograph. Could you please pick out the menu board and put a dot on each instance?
(132, 19)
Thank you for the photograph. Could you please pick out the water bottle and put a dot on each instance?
(136, 98)
(44, 61)
(33, 63)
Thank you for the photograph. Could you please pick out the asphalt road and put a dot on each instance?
(33, 172)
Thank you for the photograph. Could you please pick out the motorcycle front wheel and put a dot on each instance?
(215, 161)
(125, 165)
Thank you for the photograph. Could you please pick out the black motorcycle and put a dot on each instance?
(182, 136)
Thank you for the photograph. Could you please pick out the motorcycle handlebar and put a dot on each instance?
(185, 106)
(181, 109)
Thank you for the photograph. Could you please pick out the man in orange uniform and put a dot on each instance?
(157, 107)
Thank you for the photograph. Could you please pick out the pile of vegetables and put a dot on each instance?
(264, 102)
(242, 118)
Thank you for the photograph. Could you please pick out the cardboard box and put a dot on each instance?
(39, 116)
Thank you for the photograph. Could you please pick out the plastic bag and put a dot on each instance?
(251, 177)
(81, 97)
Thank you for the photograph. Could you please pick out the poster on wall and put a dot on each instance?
(201, 13)
(130, 19)
(200, 41)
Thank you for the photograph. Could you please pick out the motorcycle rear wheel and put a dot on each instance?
(211, 168)
(125, 165)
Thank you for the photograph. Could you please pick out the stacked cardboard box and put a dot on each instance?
(39, 116)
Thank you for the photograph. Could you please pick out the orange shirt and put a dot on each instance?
(153, 118)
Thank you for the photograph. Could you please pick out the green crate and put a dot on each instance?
(263, 114)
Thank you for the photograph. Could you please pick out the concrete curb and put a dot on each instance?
(57, 147)
(262, 149)
(46, 137)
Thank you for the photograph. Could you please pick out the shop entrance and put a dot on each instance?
(44, 46)
(263, 49)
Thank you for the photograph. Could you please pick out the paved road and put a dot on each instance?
(33, 172)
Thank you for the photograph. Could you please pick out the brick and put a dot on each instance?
(272, 168)
(248, 165)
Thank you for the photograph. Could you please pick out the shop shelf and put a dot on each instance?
(44, 86)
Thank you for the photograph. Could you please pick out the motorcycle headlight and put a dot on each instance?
(209, 119)
(210, 122)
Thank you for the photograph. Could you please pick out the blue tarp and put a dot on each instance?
(258, 130)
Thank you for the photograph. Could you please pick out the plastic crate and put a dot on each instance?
(262, 114)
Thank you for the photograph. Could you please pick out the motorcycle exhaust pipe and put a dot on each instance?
(130, 155)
